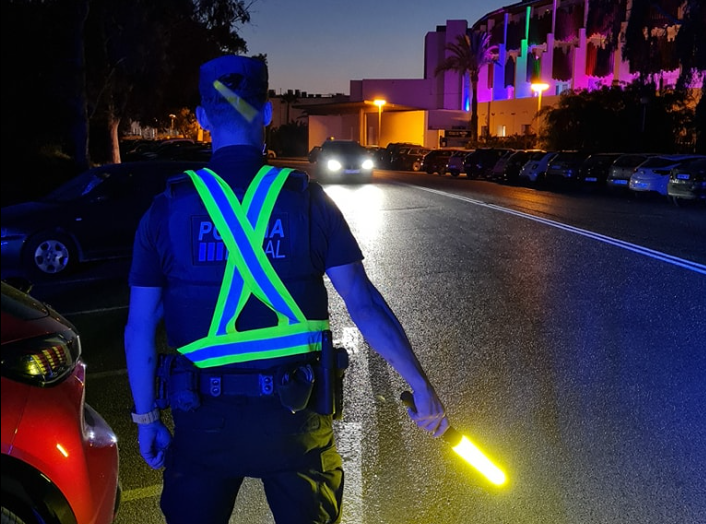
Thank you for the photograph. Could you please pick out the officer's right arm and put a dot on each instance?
(144, 315)
(383, 331)
(141, 354)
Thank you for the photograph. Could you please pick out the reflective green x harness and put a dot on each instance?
(248, 271)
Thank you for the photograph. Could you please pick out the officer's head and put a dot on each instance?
(234, 95)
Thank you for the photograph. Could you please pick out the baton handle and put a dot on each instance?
(451, 435)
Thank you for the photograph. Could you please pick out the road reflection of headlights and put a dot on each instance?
(334, 165)
(368, 164)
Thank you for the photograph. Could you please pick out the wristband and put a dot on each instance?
(146, 418)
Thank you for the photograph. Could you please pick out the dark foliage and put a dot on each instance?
(621, 119)
(79, 68)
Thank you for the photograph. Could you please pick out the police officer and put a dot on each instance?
(232, 260)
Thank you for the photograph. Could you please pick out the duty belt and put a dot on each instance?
(241, 384)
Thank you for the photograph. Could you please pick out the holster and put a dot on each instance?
(329, 373)
(177, 383)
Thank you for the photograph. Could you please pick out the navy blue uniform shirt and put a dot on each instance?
(188, 262)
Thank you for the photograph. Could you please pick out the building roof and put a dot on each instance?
(343, 108)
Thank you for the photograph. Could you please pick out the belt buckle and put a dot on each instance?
(214, 386)
(267, 385)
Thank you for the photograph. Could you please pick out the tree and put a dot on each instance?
(606, 119)
(143, 67)
(468, 55)
(84, 66)
(641, 50)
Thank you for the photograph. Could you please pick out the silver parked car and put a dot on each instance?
(536, 167)
(622, 169)
(653, 174)
(688, 182)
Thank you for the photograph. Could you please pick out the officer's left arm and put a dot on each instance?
(383, 331)
(140, 348)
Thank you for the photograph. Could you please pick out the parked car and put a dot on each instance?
(454, 165)
(60, 458)
(171, 149)
(652, 175)
(480, 162)
(511, 171)
(593, 172)
(435, 160)
(93, 216)
(313, 154)
(379, 156)
(622, 169)
(343, 161)
(498, 170)
(409, 159)
(393, 149)
(687, 181)
(535, 168)
(563, 169)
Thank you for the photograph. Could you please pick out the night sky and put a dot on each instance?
(318, 46)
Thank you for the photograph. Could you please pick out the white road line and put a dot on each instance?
(658, 255)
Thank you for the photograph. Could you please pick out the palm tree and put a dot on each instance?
(467, 55)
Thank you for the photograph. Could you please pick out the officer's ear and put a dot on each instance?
(202, 118)
(267, 113)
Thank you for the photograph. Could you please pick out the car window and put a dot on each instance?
(75, 188)
(658, 161)
(629, 160)
(342, 148)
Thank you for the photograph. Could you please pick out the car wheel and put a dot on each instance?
(8, 517)
(49, 254)
(416, 166)
(454, 173)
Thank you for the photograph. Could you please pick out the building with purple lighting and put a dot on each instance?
(562, 44)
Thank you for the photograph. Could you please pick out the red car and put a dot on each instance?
(59, 457)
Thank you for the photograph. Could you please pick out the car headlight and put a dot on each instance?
(42, 361)
(368, 164)
(333, 165)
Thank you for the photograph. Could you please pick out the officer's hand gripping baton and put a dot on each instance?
(465, 448)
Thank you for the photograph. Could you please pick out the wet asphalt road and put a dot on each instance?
(565, 333)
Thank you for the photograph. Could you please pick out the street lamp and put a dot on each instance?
(172, 117)
(539, 88)
(379, 102)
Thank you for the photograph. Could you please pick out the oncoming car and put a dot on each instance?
(59, 457)
(343, 161)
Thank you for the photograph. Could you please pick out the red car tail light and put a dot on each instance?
(41, 361)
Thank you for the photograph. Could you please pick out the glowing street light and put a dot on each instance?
(379, 102)
(539, 88)
(171, 129)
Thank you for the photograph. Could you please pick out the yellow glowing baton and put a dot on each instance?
(465, 448)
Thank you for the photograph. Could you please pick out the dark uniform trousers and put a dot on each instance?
(227, 439)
